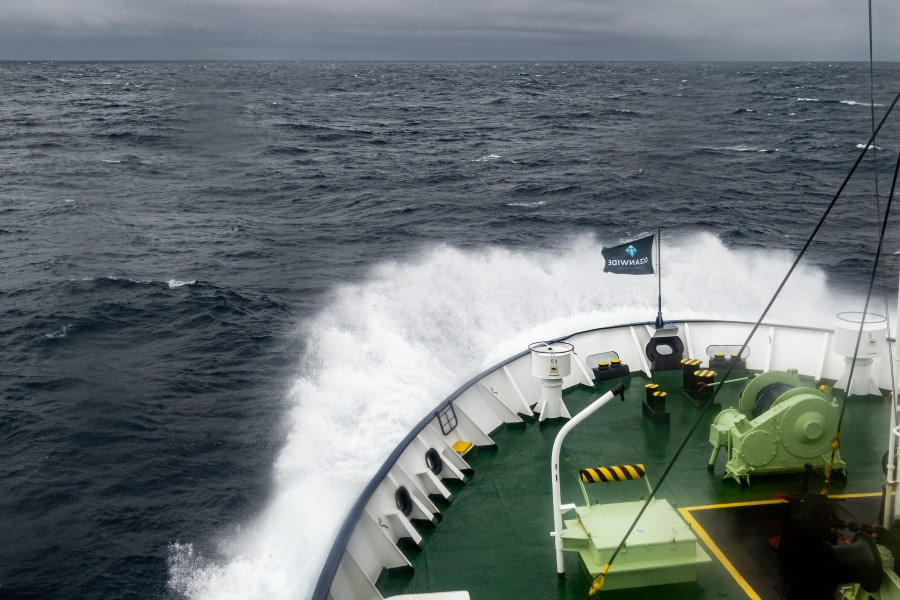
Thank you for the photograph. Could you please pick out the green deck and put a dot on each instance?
(494, 538)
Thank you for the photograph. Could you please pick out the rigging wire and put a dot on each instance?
(599, 580)
(878, 267)
(892, 448)
(835, 443)
(872, 113)
(887, 312)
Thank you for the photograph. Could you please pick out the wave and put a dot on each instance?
(527, 204)
(354, 399)
(861, 146)
(175, 283)
(737, 148)
(326, 130)
(171, 283)
(288, 150)
(855, 103)
(486, 158)
(59, 333)
(847, 102)
(622, 111)
(113, 278)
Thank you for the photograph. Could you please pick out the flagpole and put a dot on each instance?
(659, 317)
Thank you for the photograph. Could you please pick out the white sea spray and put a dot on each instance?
(386, 350)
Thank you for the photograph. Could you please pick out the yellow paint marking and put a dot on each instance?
(701, 533)
(462, 447)
(773, 501)
(732, 505)
(866, 495)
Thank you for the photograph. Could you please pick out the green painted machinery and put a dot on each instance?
(661, 550)
(778, 427)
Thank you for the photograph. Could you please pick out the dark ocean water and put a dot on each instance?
(179, 240)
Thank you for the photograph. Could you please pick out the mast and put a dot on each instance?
(659, 317)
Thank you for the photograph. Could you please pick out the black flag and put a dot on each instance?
(630, 258)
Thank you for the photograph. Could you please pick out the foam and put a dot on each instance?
(175, 283)
(855, 103)
(486, 158)
(128, 279)
(534, 204)
(386, 350)
(740, 148)
(172, 283)
(59, 333)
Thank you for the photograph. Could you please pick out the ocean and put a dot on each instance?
(229, 288)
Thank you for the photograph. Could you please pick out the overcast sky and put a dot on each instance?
(830, 30)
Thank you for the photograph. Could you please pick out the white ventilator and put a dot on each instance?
(871, 346)
(550, 362)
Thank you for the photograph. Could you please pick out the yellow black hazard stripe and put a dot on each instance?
(614, 473)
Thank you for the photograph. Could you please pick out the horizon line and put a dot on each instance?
(438, 60)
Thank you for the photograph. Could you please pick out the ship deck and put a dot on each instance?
(494, 542)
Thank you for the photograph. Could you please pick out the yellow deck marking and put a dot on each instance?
(733, 505)
(701, 533)
(866, 495)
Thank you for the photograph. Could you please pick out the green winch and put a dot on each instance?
(778, 427)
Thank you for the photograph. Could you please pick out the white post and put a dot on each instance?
(891, 514)
(554, 468)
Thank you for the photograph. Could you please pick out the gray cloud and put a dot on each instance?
(445, 30)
